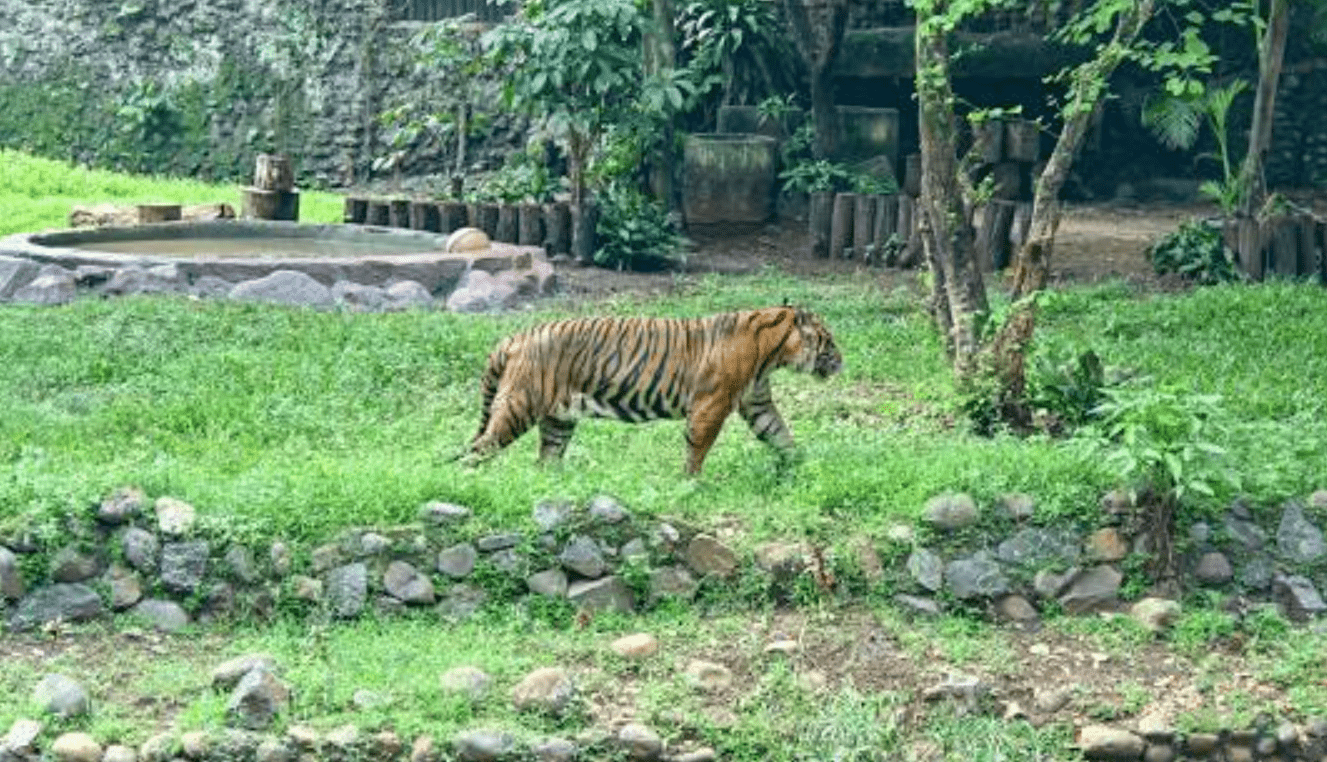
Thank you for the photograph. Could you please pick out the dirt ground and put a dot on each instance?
(1095, 242)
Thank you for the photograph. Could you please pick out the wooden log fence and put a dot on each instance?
(1284, 245)
(529, 224)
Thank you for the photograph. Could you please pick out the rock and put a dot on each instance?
(640, 645)
(344, 742)
(1249, 535)
(1052, 700)
(163, 615)
(1297, 539)
(672, 581)
(703, 754)
(551, 514)
(124, 505)
(12, 586)
(119, 753)
(916, 604)
(175, 518)
(477, 291)
(257, 699)
(133, 279)
(358, 297)
(348, 589)
(553, 750)
(240, 561)
(548, 690)
(125, 587)
(970, 690)
(1049, 584)
(483, 745)
(1035, 546)
(61, 696)
(141, 548)
(53, 285)
(15, 273)
(1106, 546)
(370, 545)
(458, 561)
(1213, 569)
(424, 749)
(1092, 590)
(226, 675)
(1015, 608)
(607, 510)
(158, 748)
(639, 742)
(21, 738)
(75, 747)
(408, 294)
(183, 565)
(436, 512)
(1107, 743)
(706, 556)
(195, 744)
(471, 682)
(211, 287)
(951, 511)
(708, 676)
(868, 560)
(405, 583)
(550, 582)
(306, 588)
(63, 602)
(285, 287)
(279, 556)
(1018, 506)
(783, 560)
(609, 593)
(501, 541)
(1155, 614)
(926, 568)
(1298, 596)
(582, 556)
(461, 602)
(978, 576)
(511, 562)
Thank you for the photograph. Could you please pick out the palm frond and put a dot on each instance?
(1174, 121)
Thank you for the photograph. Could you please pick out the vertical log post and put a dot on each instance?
(886, 222)
(424, 216)
(356, 210)
(557, 228)
(530, 225)
(398, 213)
(485, 217)
(505, 230)
(863, 227)
(840, 225)
(818, 221)
(378, 213)
(584, 216)
(451, 216)
(273, 195)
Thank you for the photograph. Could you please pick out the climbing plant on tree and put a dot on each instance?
(988, 354)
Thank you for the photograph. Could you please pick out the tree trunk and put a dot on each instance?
(1252, 181)
(818, 27)
(958, 294)
(660, 60)
(1086, 93)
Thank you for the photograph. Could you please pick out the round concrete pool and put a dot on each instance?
(237, 250)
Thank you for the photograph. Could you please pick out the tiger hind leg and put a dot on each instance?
(554, 433)
(508, 419)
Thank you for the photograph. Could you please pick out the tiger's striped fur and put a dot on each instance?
(641, 369)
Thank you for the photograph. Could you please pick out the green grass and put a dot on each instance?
(38, 194)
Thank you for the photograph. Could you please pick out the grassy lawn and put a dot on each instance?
(295, 424)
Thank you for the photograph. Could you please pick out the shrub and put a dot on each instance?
(634, 231)
(1195, 252)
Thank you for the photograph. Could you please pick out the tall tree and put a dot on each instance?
(988, 359)
(1252, 182)
(818, 27)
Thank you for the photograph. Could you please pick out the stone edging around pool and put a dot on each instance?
(437, 271)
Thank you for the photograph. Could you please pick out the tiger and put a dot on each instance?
(636, 369)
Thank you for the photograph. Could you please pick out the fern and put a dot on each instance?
(1174, 121)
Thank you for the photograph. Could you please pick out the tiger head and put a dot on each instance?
(818, 354)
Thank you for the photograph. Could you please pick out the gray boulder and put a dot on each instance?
(285, 287)
(65, 602)
(15, 273)
(53, 285)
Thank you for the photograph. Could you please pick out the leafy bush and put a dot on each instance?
(1166, 439)
(1194, 251)
(1065, 386)
(633, 230)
